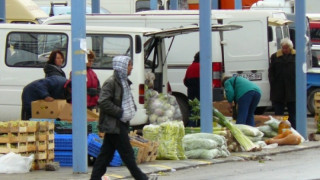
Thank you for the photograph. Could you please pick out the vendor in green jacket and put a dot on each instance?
(246, 94)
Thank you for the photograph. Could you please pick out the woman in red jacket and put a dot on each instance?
(93, 84)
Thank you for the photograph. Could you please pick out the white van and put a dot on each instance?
(31, 44)
(245, 51)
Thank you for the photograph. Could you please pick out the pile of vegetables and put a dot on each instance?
(161, 107)
(285, 138)
(270, 128)
(169, 136)
(205, 146)
(242, 139)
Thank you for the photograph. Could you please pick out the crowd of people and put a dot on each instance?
(55, 85)
(245, 94)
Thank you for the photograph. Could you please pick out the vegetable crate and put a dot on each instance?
(148, 150)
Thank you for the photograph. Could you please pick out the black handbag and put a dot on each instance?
(234, 108)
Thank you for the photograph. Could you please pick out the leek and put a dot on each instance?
(243, 140)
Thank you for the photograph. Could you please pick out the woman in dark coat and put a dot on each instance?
(48, 89)
(282, 78)
(54, 64)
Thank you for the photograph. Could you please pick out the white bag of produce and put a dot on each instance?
(161, 107)
(151, 132)
(273, 123)
(195, 143)
(249, 130)
(168, 141)
(15, 163)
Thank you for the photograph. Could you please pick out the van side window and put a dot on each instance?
(316, 58)
(279, 36)
(106, 47)
(315, 35)
(32, 49)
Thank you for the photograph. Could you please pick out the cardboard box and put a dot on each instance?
(222, 106)
(44, 109)
(66, 114)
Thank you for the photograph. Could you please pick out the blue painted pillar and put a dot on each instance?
(174, 4)
(205, 67)
(214, 4)
(79, 88)
(2, 11)
(301, 77)
(237, 4)
(153, 4)
(95, 6)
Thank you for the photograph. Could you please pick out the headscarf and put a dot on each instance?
(120, 65)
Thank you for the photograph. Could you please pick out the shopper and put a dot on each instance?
(192, 78)
(48, 89)
(54, 64)
(93, 84)
(282, 78)
(246, 94)
(117, 108)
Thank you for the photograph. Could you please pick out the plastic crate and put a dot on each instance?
(63, 142)
(94, 146)
(63, 157)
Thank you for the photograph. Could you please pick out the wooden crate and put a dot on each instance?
(41, 136)
(142, 149)
(50, 154)
(152, 154)
(50, 145)
(4, 127)
(41, 155)
(31, 146)
(41, 145)
(31, 137)
(4, 148)
(4, 137)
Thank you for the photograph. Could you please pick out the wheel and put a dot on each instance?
(310, 100)
(184, 107)
(260, 110)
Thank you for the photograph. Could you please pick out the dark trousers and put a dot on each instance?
(25, 112)
(121, 143)
(291, 106)
(247, 104)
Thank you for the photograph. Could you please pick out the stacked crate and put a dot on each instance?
(63, 149)
(26, 138)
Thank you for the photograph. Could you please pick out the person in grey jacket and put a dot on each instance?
(117, 108)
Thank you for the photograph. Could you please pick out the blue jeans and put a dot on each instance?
(246, 106)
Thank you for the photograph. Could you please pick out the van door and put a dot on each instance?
(246, 53)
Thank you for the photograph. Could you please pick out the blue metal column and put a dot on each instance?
(174, 4)
(301, 77)
(2, 11)
(205, 67)
(237, 4)
(95, 6)
(153, 4)
(214, 4)
(79, 88)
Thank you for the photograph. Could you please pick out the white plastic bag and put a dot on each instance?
(15, 163)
